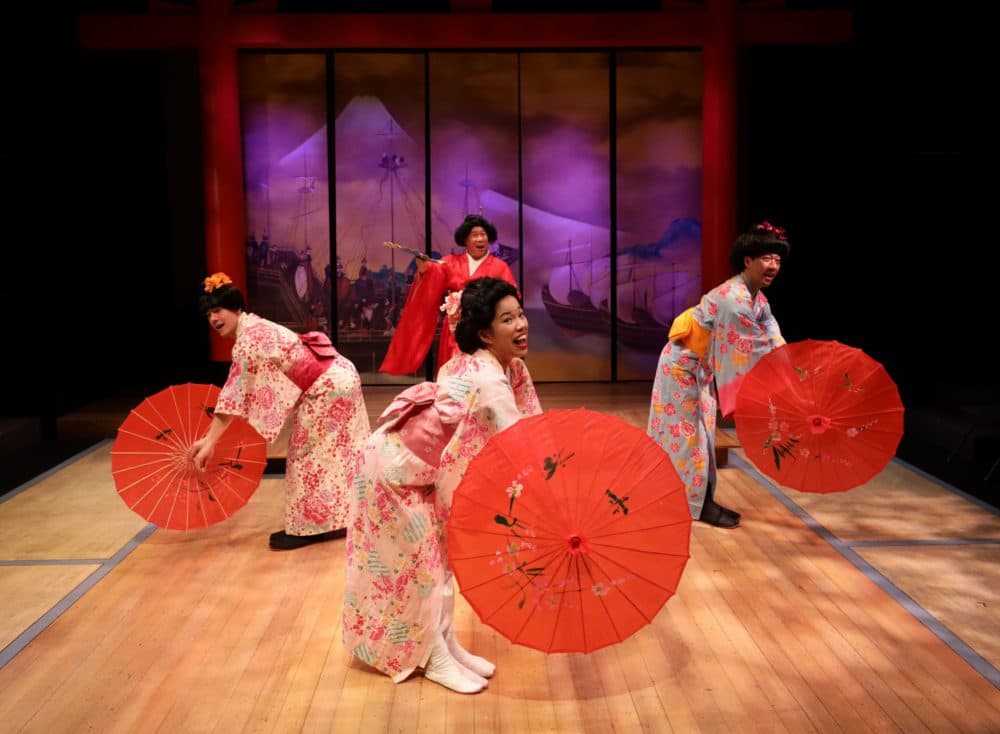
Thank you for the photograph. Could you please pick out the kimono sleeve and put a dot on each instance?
(499, 405)
(491, 407)
(770, 326)
(525, 395)
(415, 333)
(257, 391)
(740, 338)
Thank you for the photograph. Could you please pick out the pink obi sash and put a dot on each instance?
(312, 361)
(425, 419)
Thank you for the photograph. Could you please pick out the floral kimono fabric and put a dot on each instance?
(732, 330)
(329, 419)
(396, 569)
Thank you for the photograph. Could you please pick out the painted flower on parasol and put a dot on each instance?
(569, 531)
(819, 416)
(152, 467)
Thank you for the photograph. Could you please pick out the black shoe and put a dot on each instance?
(718, 516)
(283, 541)
(734, 513)
(710, 500)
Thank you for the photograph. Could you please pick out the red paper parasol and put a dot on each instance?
(569, 531)
(152, 467)
(819, 416)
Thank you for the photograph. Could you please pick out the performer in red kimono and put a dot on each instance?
(433, 282)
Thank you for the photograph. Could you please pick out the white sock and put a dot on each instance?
(471, 674)
(478, 665)
(442, 668)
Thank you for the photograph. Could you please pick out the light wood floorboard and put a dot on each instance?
(872, 610)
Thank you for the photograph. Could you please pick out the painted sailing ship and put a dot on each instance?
(650, 292)
(567, 298)
(648, 301)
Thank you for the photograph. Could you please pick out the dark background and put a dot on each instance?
(879, 157)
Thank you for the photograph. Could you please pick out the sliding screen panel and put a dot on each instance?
(283, 116)
(379, 187)
(473, 135)
(567, 240)
(658, 181)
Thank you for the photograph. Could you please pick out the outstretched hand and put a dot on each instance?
(201, 452)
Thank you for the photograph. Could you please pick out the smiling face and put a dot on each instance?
(761, 271)
(223, 321)
(507, 336)
(477, 243)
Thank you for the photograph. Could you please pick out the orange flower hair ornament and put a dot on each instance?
(452, 308)
(216, 280)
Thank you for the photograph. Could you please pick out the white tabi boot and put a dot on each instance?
(442, 668)
(476, 664)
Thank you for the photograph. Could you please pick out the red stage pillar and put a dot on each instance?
(719, 183)
(220, 114)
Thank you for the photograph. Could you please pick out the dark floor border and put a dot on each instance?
(42, 623)
(49, 472)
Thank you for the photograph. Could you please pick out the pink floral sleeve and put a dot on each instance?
(256, 389)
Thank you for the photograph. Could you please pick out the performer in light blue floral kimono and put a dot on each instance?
(710, 348)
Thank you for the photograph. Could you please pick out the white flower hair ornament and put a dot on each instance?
(452, 308)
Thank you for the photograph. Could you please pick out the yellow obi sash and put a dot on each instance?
(687, 331)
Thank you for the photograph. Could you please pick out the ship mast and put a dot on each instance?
(467, 183)
(306, 190)
(391, 162)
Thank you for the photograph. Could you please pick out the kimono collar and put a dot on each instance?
(243, 321)
(487, 356)
(746, 287)
(474, 264)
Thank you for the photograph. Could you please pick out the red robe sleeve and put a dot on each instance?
(415, 332)
(418, 322)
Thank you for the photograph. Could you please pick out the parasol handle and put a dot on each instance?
(416, 253)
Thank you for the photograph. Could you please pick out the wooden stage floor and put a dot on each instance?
(873, 610)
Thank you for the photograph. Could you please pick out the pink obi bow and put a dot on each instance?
(319, 343)
(313, 361)
(425, 418)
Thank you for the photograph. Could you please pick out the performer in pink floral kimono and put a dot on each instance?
(276, 373)
(398, 593)
(415, 332)
(711, 347)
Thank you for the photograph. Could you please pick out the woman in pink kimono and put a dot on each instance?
(398, 594)
(276, 373)
(711, 347)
